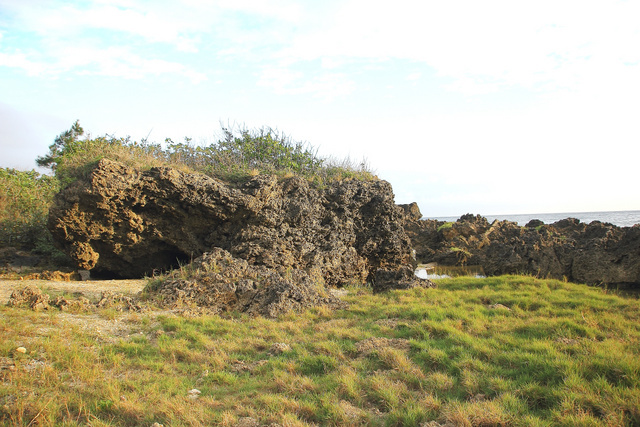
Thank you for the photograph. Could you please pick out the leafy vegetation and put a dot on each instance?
(445, 226)
(24, 205)
(509, 350)
(236, 157)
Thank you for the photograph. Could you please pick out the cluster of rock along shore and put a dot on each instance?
(595, 253)
(299, 240)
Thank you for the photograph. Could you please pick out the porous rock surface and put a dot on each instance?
(33, 298)
(126, 223)
(595, 253)
(218, 282)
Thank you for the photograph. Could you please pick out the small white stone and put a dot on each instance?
(194, 394)
(21, 350)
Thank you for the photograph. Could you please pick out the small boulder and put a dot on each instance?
(193, 394)
(29, 297)
(411, 211)
(247, 422)
(403, 278)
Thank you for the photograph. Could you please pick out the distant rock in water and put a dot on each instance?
(125, 223)
(595, 253)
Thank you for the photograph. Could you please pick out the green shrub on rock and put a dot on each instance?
(236, 157)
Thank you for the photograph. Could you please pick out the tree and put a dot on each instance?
(64, 143)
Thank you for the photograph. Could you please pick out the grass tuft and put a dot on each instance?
(553, 353)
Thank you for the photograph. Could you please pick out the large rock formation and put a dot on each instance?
(122, 222)
(592, 253)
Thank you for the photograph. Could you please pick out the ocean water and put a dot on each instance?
(619, 218)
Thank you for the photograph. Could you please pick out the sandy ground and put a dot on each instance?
(91, 289)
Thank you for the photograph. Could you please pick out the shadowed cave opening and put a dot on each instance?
(146, 265)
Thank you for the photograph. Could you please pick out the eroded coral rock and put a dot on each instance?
(592, 253)
(402, 278)
(32, 297)
(220, 282)
(29, 297)
(126, 223)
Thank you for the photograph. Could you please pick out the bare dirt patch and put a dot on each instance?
(103, 329)
(374, 344)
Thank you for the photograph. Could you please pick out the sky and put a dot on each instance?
(464, 106)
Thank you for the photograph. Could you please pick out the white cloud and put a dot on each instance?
(481, 46)
(505, 42)
(286, 10)
(65, 21)
(113, 62)
(235, 29)
(21, 61)
(118, 62)
(66, 39)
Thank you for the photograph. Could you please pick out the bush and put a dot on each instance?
(243, 153)
(79, 161)
(240, 154)
(25, 198)
(24, 204)
(268, 151)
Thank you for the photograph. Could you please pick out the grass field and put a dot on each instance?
(509, 350)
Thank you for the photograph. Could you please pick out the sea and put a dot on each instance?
(619, 218)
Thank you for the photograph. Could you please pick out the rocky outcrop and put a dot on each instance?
(218, 282)
(592, 253)
(32, 297)
(122, 222)
(411, 211)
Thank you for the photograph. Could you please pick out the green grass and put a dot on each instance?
(552, 353)
(445, 226)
